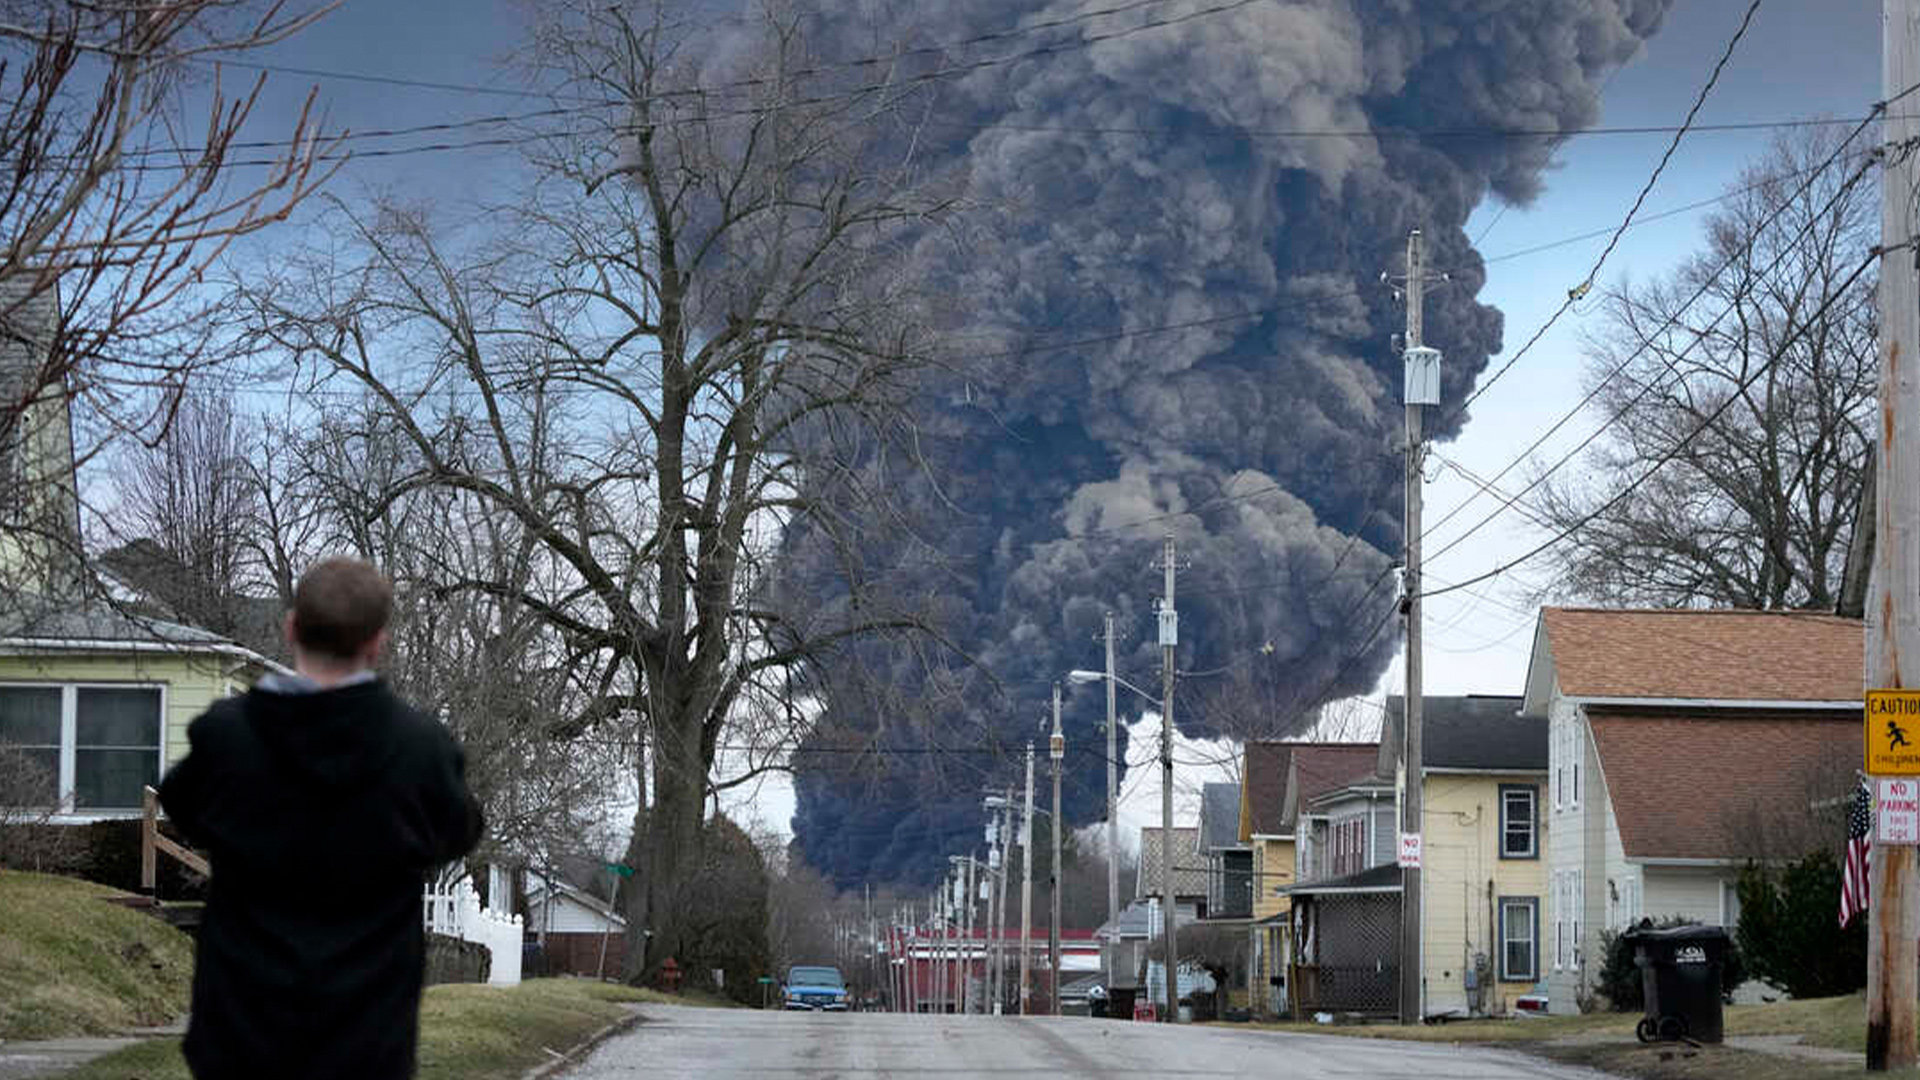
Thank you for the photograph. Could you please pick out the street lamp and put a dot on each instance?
(1056, 750)
(1166, 813)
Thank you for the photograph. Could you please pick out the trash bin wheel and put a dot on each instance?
(1673, 1028)
(1644, 1030)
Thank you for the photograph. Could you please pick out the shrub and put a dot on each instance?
(1619, 977)
(1790, 930)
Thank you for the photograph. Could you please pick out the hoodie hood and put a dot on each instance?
(339, 737)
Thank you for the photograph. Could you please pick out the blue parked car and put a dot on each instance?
(815, 988)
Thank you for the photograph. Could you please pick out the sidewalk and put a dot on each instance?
(24, 1059)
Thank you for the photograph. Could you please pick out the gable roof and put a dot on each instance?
(1189, 872)
(1321, 767)
(1263, 788)
(1475, 731)
(1689, 655)
(1685, 784)
(1219, 816)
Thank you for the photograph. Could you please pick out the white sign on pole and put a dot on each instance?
(1896, 818)
(1410, 850)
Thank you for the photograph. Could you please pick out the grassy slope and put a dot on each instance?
(1606, 1041)
(73, 964)
(476, 1032)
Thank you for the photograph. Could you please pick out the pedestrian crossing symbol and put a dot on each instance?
(1893, 732)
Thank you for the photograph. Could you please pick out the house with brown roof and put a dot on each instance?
(1674, 739)
(1270, 794)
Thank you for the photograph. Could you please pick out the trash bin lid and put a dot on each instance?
(1694, 933)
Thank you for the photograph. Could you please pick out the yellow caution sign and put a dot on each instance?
(1893, 732)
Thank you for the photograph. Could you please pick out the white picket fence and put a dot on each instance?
(457, 912)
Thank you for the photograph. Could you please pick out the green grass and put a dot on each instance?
(73, 964)
(477, 1032)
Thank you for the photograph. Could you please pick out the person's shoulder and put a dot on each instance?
(417, 727)
(224, 717)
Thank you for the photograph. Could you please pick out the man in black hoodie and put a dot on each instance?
(323, 801)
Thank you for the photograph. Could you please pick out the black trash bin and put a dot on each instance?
(1680, 978)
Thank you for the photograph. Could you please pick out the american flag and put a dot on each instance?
(1853, 878)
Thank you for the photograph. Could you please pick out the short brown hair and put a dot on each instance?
(339, 605)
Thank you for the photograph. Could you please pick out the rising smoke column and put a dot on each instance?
(1171, 177)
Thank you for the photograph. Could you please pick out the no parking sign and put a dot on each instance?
(1896, 818)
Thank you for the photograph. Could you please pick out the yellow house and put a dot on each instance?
(1263, 776)
(1484, 873)
(94, 698)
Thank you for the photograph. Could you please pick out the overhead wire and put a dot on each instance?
(1575, 294)
(1599, 386)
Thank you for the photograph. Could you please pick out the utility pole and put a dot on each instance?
(1026, 891)
(1056, 750)
(1169, 637)
(1893, 623)
(1006, 871)
(966, 935)
(1113, 810)
(1422, 389)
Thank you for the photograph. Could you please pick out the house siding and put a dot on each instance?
(1689, 891)
(1272, 869)
(569, 917)
(1465, 877)
(1566, 855)
(192, 682)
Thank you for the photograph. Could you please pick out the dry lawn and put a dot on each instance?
(466, 1032)
(73, 964)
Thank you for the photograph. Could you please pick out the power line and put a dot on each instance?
(1811, 176)
(1674, 450)
(1574, 295)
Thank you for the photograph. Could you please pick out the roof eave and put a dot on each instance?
(1800, 704)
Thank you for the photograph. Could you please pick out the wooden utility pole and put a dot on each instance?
(1422, 389)
(1893, 606)
(1113, 810)
(1026, 892)
(1169, 638)
(1056, 751)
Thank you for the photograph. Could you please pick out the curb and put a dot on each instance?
(574, 1054)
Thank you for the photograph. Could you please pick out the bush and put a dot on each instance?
(1790, 932)
(1619, 977)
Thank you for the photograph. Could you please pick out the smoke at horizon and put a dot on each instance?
(1169, 178)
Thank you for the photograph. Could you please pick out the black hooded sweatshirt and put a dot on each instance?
(322, 813)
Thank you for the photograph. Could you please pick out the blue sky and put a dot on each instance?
(1802, 58)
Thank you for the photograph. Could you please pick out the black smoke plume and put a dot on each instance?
(1177, 324)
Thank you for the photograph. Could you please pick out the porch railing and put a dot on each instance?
(153, 844)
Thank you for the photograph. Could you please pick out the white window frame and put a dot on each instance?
(1576, 744)
(65, 785)
(1578, 878)
(1729, 903)
(1531, 905)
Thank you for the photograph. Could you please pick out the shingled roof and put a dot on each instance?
(1263, 790)
(1477, 731)
(1219, 816)
(1189, 867)
(1321, 767)
(1697, 655)
(1686, 784)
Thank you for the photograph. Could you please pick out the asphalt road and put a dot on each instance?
(712, 1044)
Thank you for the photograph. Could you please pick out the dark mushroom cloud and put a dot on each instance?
(1241, 176)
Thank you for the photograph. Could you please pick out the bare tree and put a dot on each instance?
(1756, 506)
(115, 201)
(693, 320)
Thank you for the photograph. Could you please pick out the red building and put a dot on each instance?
(935, 971)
